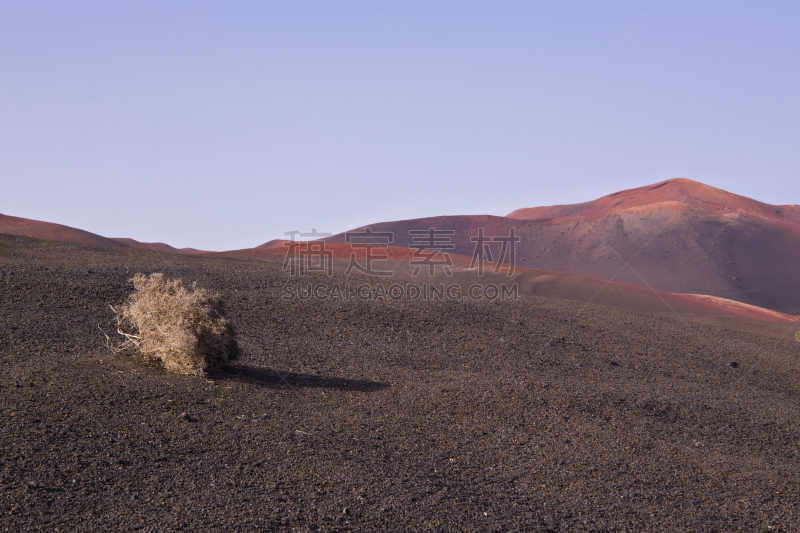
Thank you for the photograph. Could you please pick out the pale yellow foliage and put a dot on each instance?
(183, 328)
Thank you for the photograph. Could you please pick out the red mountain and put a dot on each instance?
(157, 246)
(676, 192)
(678, 236)
(690, 307)
(49, 231)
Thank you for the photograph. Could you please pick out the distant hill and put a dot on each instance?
(678, 236)
(677, 191)
(676, 239)
(158, 246)
(51, 232)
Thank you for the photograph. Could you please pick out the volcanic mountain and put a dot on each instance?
(678, 236)
(663, 246)
(49, 231)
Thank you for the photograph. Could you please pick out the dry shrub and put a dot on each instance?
(797, 336)
(183, 328)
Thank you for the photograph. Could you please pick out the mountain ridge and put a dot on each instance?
(677, 190)
(677, 236)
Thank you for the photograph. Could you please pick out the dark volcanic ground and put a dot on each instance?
(536, 415)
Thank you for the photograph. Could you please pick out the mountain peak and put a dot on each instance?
(672, 191)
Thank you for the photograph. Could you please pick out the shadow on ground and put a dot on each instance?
(278, 379)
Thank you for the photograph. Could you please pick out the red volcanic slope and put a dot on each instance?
(531, 282)
(157, 246)
(641, 299)
(679, 190)
(51, 232)
(274, 243)
(677, 236)
(341, 251)
(56, 232)
(561, 285)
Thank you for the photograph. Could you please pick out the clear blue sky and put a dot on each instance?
(255, 118)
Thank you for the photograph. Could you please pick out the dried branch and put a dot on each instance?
(185, 329)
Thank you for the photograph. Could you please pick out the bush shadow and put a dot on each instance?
(264, 377)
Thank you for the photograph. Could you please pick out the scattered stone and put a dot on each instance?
(526, 438)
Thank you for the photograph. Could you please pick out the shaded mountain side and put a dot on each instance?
(51, 232)
(464, 227)
(739, 257)
(690, 308)
(158, 246)
(677, 236)
(746, 251)
(542, 283)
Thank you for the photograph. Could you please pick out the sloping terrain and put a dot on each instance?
(48, 231)
(381, 415)
(157, 246)
(677, 236)
(530, 282)
(51, 232)
(688, 307)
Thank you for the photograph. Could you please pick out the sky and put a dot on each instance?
(222, 125)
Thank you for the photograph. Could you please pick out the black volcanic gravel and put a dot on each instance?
(535, 415)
